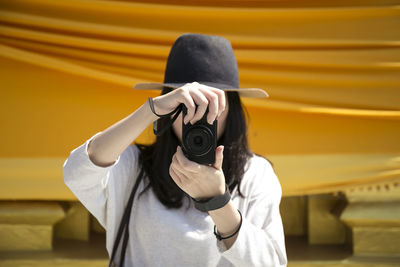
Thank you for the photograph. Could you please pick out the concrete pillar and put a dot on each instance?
(293, 212)
(76, 224)
(324, 225)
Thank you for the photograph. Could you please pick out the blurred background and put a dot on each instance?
(331, 126)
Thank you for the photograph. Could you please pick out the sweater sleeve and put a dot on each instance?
(90, 183)
(260, 241)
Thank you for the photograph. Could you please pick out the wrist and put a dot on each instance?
(226, 219)
(212, 203)
(207, 198)
(153, 117)
(220, 236)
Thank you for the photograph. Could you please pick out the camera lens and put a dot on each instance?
(198, 140)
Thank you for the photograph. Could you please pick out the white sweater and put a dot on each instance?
(179, 237)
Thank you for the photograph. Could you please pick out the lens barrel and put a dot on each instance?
(199, 140)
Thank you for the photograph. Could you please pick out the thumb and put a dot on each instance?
(219, 157)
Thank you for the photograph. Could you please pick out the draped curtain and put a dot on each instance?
(331, 68)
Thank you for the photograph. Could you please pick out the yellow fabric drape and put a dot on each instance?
(332, 70)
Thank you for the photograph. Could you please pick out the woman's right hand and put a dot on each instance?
(192, 95)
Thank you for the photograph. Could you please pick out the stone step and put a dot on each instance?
(65, 252)
(73, 253)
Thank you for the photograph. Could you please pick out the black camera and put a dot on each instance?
(199, 140)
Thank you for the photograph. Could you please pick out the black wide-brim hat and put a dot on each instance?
(206, 59)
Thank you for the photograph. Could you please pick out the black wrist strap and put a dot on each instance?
(151, 103)
(213, 203)
(176, 111)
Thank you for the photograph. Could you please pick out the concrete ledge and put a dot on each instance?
(32, 212)
(375, 227)
(28, 225)
(372, 214)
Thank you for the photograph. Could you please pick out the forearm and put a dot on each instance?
(227, 220)
(106, 147)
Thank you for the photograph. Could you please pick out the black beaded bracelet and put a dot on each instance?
(219, 237)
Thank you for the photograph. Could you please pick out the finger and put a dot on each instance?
(175, 176)
(187, 100)
(176, 164)
(184, 179)
(213, 104)
(219, 157)
(185, 163)
(221, 99)
(201, 102)
(179, 170)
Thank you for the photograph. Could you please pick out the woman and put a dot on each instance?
(185, 213)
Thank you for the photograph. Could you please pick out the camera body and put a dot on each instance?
(199, 140)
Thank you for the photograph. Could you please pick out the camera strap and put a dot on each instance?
(176, 111)
(123, 229)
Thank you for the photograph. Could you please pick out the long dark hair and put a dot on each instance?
(155, 159)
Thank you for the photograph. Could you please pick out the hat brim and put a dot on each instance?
(243, 92)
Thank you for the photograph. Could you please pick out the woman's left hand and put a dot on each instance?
(197, 180)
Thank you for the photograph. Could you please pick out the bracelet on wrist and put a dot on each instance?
(219, 237)
(214, 202)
